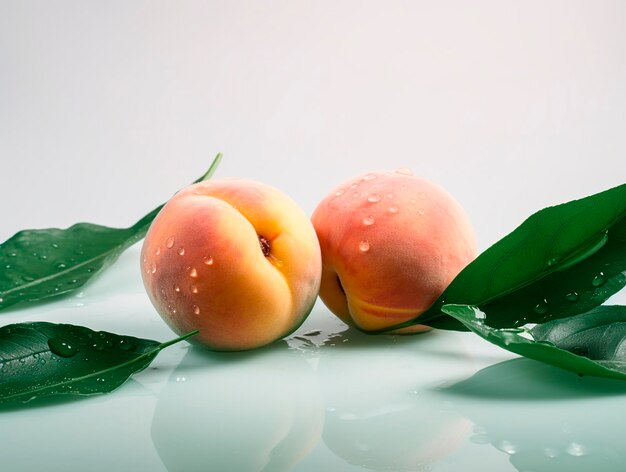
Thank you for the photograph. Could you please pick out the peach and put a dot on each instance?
(235, 259)
(391, 243)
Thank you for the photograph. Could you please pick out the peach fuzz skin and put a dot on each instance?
(391, 243)
(236, 259)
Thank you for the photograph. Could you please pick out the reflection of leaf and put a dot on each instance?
(41, 359)
(526, 380)
(563, 260)
(591, 343)
(41, 263)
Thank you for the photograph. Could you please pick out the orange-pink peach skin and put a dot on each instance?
(236, 259)
(391, 243)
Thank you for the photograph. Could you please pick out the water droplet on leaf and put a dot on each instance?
(598, 280)
(125, 345)
(541, 308)
(572, 297)
(62, 347)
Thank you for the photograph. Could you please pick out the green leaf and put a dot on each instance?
(41, 263)
(41, 359)
(563, 260)
(593, 343)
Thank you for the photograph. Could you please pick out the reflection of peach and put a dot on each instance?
(236, 259)
(237, 412)
(379, 414)
(402, 437)
(391, 243)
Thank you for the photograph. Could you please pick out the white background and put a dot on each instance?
(108, 108)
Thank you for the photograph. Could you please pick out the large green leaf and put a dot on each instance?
(593, 343)
(41, 359)
(563, 260)
(41, 263)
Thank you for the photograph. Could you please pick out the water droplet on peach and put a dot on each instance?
(369, 177)
(181, 251)
(153, 268)
(193, 272)
(364, 246)
(196, 310)
(368, 220)
(420, 211)
(194, 289)
(354, 185)
(176, 288)
(169, 242)
(158, 251)
(404, 171)
(208, 260)
(339, 192)
(373, 198)
(393, 209)
(421, 196)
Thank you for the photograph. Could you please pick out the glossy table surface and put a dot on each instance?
(325, 398)
(108, 108)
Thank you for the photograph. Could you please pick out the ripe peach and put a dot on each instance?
(391, 243)
(236, 259)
